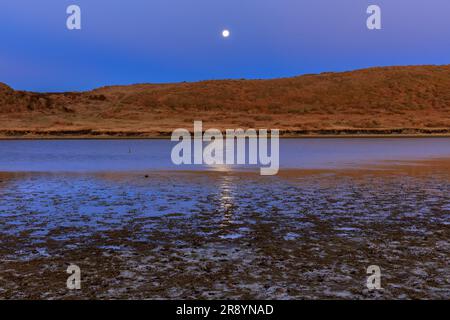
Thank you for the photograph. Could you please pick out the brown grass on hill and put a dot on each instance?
(413, 99)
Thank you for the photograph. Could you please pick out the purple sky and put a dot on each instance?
(123, 42)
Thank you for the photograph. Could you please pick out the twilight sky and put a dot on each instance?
(134, 41)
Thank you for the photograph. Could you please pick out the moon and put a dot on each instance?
(226, 33)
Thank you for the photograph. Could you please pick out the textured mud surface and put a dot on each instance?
(227, 235)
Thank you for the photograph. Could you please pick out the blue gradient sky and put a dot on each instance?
(133, 41)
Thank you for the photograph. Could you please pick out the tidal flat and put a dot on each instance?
(304, 234)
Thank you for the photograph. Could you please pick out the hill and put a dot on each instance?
(388, 100)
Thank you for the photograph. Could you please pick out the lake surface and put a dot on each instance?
(139, 155)
(137, 230)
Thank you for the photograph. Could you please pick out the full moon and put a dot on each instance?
(225, 33)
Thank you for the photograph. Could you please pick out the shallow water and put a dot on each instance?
(231, 234)
(138, 155)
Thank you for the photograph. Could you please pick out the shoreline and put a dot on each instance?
(414, 136)
(284, 134)
(383, 166)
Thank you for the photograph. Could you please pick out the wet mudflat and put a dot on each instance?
(157, 235)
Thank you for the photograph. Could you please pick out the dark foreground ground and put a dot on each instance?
(400, 101)
(300, 235)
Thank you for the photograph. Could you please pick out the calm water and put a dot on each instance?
(137, 155)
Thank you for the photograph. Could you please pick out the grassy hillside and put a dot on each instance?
(412, 99)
